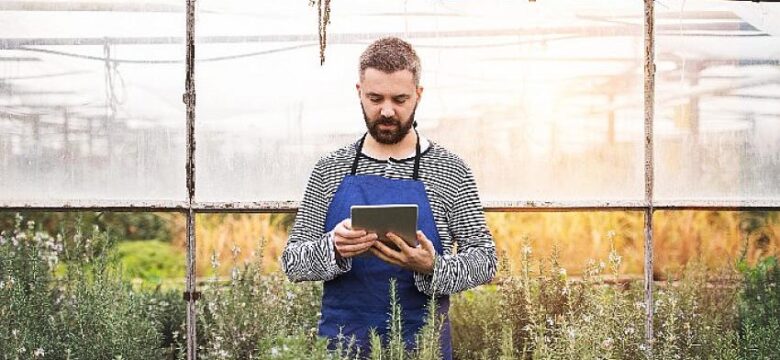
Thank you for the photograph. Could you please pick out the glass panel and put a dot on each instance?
(543, 100)
(717, 128)
(717, 239)
(90, 102)
(230, 240)
(578, 238)
(91, 284)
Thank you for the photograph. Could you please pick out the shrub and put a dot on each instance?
(252, 315)
(83, 311)
(759, 310)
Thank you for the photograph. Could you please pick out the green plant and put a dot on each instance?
(759, 309)
(84, 311)
(258, 316)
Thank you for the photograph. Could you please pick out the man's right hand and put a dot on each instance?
(349, 242)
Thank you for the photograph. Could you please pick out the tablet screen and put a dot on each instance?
(400, 219)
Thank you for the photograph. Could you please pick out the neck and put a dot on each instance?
(386, 151)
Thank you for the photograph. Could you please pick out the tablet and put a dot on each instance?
(400, 219)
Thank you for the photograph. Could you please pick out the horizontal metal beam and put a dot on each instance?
(94, 205)
(292, 206)
(253, 206)
(724, 204)
(364, 37)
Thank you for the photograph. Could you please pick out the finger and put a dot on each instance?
(355, 247)
(426, 244)
(378, 253)
(388, 252)
(352, 250)
(358, 240)
(349, 233)
(402, 245)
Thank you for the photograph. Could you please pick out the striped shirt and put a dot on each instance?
(469, 254)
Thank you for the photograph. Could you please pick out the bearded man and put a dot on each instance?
(390, 164)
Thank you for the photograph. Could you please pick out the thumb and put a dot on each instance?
(426, 244)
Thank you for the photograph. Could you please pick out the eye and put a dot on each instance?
(400, 100)
(374, 99)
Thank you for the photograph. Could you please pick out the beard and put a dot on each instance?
(390, 136)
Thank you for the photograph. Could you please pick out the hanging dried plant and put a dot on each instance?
(323, 18)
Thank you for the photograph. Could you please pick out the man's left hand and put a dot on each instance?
(419, 259)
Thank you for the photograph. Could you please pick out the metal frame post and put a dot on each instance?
(190, 294)
(649, 95)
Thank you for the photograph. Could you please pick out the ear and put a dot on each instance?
(357, 87)
(419, 93)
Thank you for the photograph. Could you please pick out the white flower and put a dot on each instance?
(562, 271)
(38, 352)
(614, 258)
(526, 250)
(607, 343)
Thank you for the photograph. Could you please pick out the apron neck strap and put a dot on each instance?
(359, 152)
(416, 173)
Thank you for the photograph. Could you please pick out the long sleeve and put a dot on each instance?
(475, 261)
(310, 253)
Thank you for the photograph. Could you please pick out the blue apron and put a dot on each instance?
(358, 300)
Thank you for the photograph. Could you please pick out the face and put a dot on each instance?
(388, 102)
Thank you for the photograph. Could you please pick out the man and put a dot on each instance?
(393, 164)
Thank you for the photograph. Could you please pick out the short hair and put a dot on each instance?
(391, 54)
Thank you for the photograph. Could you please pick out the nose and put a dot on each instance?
(387, 110)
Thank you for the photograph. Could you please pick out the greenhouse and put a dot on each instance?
(158, 160)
